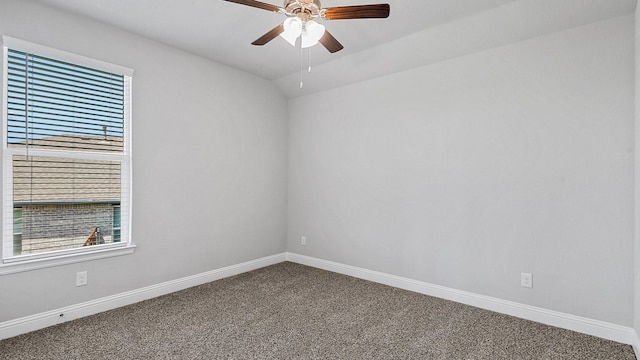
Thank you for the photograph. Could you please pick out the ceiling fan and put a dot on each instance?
(301, 16)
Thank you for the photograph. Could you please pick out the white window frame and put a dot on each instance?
(9, 263)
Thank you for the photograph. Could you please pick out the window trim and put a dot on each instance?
(12, 264)
(19, 264)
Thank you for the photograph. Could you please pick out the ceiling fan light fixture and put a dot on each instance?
(312, 33)
(300, 20)
(292, 30)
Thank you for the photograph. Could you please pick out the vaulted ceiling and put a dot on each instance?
(417, 32)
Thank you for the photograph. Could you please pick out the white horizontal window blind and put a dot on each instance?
(66, 158)
(53, 104)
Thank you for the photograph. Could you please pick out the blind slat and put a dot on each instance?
(85, 103)
(18, 117)
(21, 89)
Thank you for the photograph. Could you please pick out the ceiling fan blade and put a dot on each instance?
(328, 41)
(256, 4)
(357, 12)
(272, 34)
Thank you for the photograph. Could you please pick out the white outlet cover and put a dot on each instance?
(81, 278)
(526, 280)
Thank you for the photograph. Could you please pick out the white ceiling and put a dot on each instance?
(222, 31)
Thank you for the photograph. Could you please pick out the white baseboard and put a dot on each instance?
(583, 325)
(40, 321)
(636, 344)
(597, 328)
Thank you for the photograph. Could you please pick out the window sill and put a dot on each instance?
(13, 267)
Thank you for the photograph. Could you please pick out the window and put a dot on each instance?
(116, 224)
(65, 154)
(17, 230)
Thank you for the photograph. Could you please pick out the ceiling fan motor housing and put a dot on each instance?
(303, 9)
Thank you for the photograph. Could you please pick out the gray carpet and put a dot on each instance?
(290, 311)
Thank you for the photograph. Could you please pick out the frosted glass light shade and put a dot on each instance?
(312, 33)
(292, 30)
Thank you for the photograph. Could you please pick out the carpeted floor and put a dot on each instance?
(290, 311)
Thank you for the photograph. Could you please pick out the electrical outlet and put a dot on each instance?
(526, 280)
(303, 240)
(81, 278)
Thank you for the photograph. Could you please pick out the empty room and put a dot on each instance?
(334, 179)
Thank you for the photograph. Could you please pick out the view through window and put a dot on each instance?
(65, 157)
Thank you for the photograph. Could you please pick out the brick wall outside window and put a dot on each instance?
(58, 227)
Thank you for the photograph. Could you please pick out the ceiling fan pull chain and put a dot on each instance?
(309, 60)
(301, 62)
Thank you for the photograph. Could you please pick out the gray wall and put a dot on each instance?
(467, 172)
(209, 171)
